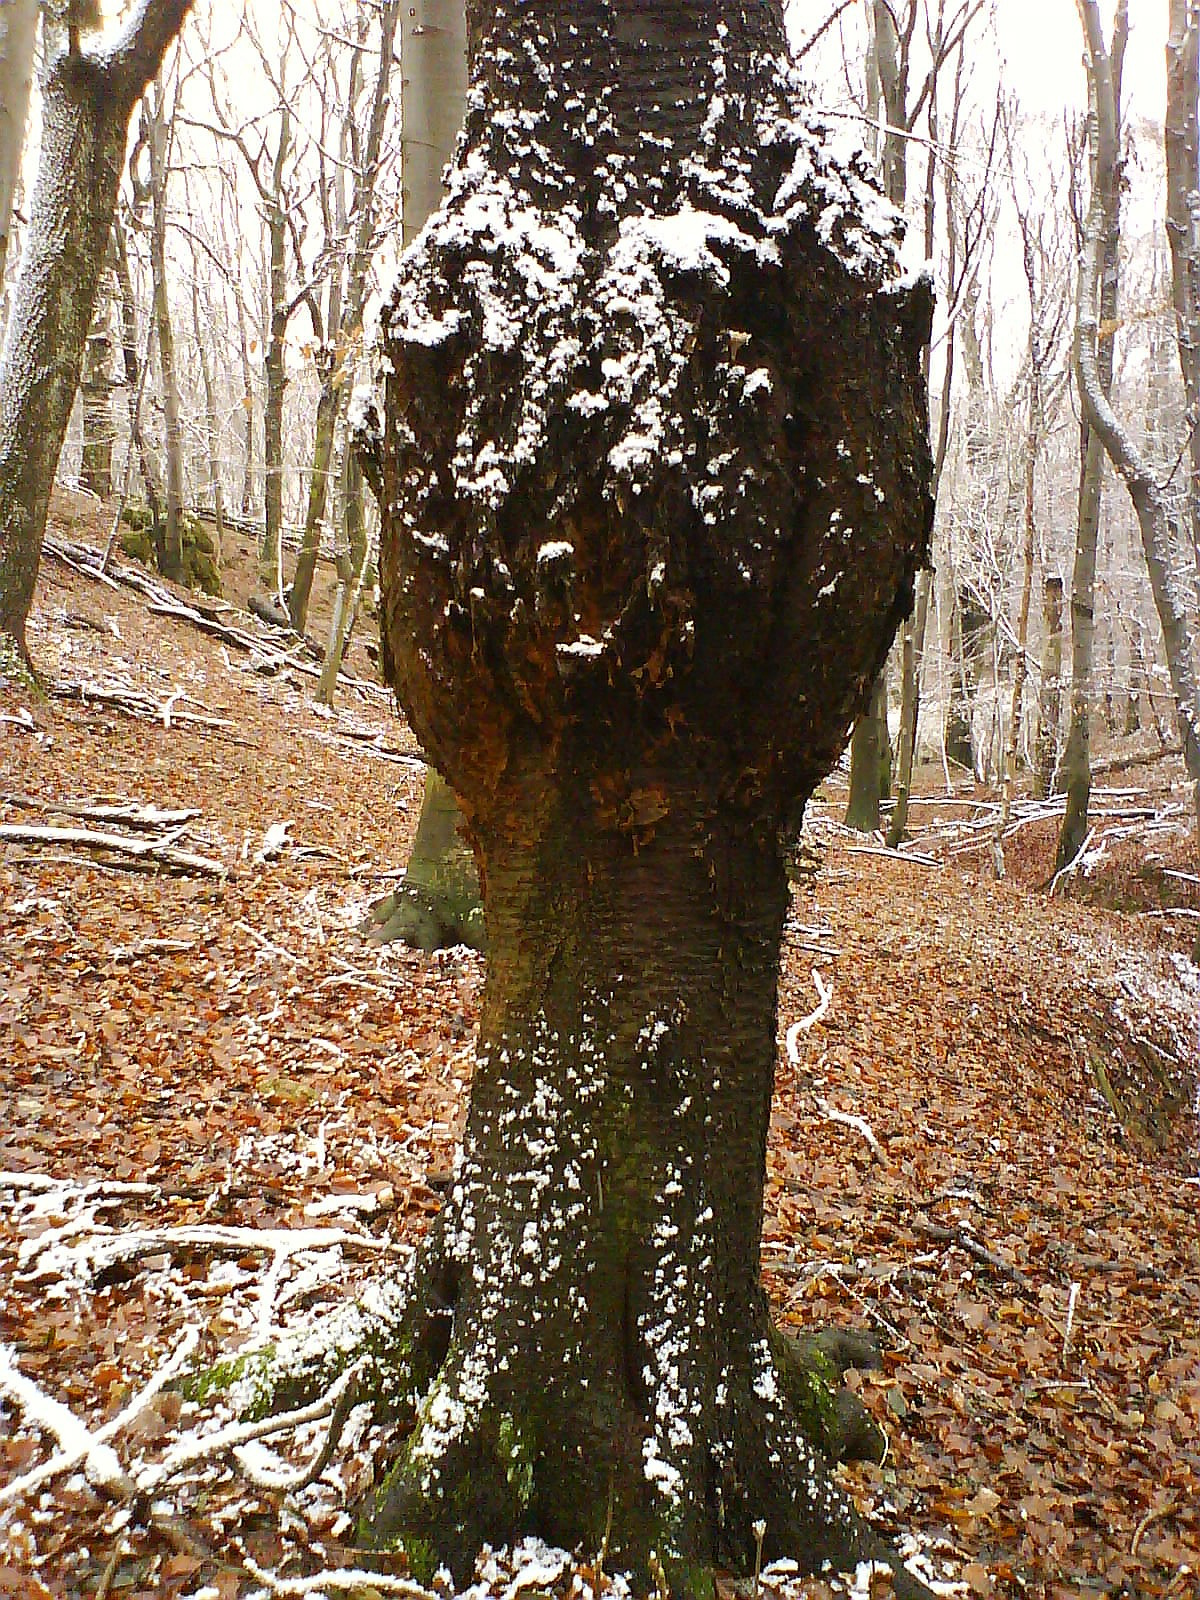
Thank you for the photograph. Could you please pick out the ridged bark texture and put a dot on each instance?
(653, 472)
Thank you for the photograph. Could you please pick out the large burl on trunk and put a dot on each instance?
(654, 478)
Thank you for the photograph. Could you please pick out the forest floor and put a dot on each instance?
(219, 1108)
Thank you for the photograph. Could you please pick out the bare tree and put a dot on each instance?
(1157, 510)
(92, 86)
(350, 237)
(1104, 121)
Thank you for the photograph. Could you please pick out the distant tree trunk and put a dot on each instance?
(870, 745)
(354, 562)
(1137, 677)
(156, 136)
(278, 316)
(870, 761)
(134, 385)
(627, 626)
(328, 407)
(1050, 694)
(211, 421)
(971, 629)
(88, 99)
(18, 38)
(95, 392)
(343, 321)
(1150, 500)
(1033, 446)
(1075, 775)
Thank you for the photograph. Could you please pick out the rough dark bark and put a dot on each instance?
(88, 99)
(654, 476)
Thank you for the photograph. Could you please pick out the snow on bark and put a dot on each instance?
(652, 463)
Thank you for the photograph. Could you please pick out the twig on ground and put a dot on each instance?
(347, 1579)
(80, 1446)
(824, 996)
(100, 1462)
(972, 1247)
(344, 1395)
(859, 1124)
(227, 1440)
(101, 1251)
(161, 849)
(1155, 1514)
(917, 856)
(110, 1569)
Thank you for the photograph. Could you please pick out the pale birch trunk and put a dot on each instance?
(18, 37)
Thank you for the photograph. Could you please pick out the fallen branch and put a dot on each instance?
(161, 849)
(916, 856)
(100, 1252)
(344, 1395)
(972, 1247)
(135, 704)
(1156, 1514)
(128, 813)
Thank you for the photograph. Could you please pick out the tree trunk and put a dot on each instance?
(1050, 693)
(95, 390)
(1181, 139)
(18, 38)
(870, 746)
(610, 1363)
(157, 135)
(211, 420)
(1075, 776)
(647, 535)
(336, 360)
(913, 652)
(328, 406)
(433, 53)
(354, 562)
(134, 386)
(870, 761)
(87, 103)
(278, 316)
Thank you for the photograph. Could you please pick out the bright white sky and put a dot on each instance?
(1043, 42)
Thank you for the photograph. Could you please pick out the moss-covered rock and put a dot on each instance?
(201, 569)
